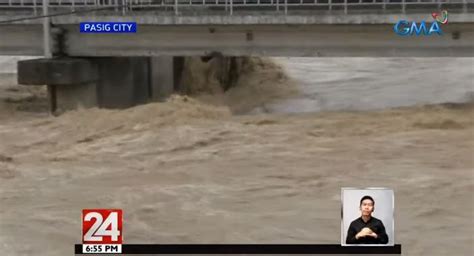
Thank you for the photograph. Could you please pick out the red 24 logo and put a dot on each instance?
(102, 226)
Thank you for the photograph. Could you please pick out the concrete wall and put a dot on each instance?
(23, 40)
(310, 17)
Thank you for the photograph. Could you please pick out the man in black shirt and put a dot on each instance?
(366, 229)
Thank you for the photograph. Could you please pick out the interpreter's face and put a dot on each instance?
(367, 207)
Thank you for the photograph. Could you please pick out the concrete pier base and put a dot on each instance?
(165, 76)
(116, 82)
(106, 82)
(72, 82)
(161, 77)
(75, 96)
(122, 82)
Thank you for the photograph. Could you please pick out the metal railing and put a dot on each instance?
(230, 6)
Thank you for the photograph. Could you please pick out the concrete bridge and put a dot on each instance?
(168, 30)
(236, 27)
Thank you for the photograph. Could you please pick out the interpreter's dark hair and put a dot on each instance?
(367, 197)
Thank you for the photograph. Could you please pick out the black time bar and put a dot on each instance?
(253, 249)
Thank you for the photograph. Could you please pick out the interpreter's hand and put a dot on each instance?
(364, 232)
(373, 234)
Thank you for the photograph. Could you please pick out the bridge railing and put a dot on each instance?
(229, 6)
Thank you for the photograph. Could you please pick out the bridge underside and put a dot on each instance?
(377, 40)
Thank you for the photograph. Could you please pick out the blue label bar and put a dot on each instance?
(108, 27)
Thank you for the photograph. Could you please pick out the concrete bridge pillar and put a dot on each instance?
(122, 82)
(72, 82)
(107, 82)
(165, 75)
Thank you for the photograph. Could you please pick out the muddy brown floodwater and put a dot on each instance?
(185, 171)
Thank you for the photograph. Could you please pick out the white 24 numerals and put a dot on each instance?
(99, 228)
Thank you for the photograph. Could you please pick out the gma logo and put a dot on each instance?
(405, 28)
